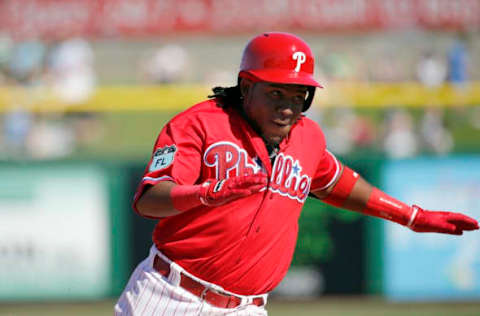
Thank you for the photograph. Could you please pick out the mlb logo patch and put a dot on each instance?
(162, 158)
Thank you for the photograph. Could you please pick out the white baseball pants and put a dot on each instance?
(150, 293)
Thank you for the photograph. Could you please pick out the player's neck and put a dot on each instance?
(272, 149)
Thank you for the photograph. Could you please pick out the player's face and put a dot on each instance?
(274, 108)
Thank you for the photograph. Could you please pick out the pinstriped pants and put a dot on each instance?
(150, 293)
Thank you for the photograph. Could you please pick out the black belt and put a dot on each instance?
(213, 297)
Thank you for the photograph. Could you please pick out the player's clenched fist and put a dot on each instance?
(441, 222)
(218, 192)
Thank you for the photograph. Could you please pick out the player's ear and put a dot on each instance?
(245, 85)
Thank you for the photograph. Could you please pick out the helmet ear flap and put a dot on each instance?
(309, 100)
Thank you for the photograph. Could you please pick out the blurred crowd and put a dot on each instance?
(396, 133)
(60, 71)
(400, 132)
(66, 72)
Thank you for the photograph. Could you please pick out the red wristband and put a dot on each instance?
(342, 188)
(382, 205)
(185, 197)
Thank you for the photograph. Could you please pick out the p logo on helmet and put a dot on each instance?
(300, 57)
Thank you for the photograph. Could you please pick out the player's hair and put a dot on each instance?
(227, 96)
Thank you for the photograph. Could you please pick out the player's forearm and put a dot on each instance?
(167, 198)
(370, 200)
(352, 192)
(156, 201)
(358, 197)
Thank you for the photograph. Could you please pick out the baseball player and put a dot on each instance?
(227, 180)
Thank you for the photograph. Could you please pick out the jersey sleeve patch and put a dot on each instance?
(162, 158)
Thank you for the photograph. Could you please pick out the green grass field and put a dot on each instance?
(361, 306)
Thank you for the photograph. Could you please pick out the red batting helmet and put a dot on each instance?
(280, 58)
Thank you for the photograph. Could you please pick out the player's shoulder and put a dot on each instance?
(203, 111)
(310, 133)
(311, 127)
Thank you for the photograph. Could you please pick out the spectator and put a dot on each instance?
(431, 71)
(400, 141)
(457, 63)
(167, 64)
(26, 62)
(6, 47)
(436, 137)
(23, 65)
(339, 131)
(71, 70)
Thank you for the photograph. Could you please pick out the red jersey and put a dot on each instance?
(245, 246)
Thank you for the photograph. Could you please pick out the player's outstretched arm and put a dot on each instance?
(167, 199)
(352, 192)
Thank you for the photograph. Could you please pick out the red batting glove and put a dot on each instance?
(440, 222)
(216, 192)
(219, 192)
